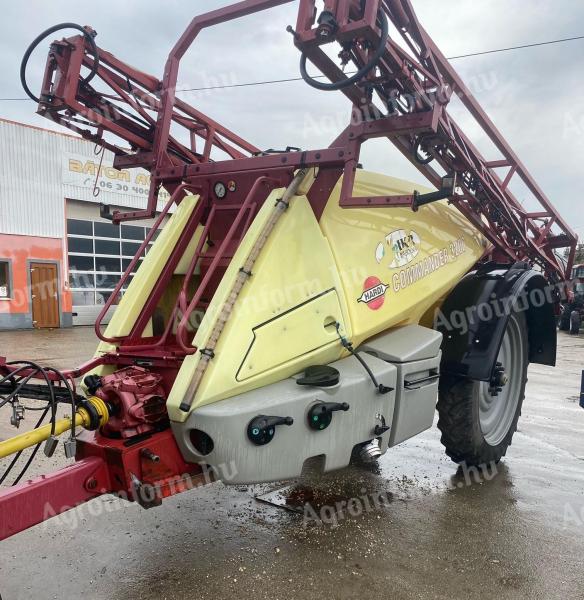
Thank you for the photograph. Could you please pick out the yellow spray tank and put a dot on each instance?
(352, 275)
(312, 273)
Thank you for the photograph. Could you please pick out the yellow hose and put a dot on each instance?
(31, 438)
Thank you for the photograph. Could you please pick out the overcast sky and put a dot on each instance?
(535, 96)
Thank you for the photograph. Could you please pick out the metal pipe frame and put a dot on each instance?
(103, 466)
(37, 500)
(423, 74)
(417, 70)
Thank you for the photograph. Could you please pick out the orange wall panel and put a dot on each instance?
(20, 249)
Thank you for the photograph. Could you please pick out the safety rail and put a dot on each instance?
(183, 308)
(127, 273)
(246, 206)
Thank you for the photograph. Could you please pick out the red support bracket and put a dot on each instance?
(34, 501)
(390, 127)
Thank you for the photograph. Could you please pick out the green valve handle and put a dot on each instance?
(321, 414)
(261, 429)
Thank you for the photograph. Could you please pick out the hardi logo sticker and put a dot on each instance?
(373, 293)
(402, 246)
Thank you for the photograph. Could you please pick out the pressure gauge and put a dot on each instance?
(220, 190)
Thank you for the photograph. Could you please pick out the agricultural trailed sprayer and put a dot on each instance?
(295, 310)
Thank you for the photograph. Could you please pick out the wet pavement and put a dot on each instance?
(415, 529)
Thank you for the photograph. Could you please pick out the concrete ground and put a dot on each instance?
(516, 533)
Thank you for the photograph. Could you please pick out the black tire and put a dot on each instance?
(461, 405)
(575, 322)
(564, 320)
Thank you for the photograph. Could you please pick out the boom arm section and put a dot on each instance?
(415, 78)
(400, 91)
(128, 112)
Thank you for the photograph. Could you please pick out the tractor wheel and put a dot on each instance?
(575, 322)
(477, 418)
(564, 320)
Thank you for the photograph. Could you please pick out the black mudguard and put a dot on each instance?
(474, 316)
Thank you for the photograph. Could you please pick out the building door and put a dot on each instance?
(44, 295)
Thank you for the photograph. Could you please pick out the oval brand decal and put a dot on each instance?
(373, 293)
(402, 246)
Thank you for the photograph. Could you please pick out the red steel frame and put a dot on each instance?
(417, 70)
(145, 113)
(103, 465)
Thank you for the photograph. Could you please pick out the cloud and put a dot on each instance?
(535, 96)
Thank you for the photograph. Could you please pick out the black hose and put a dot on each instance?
(52, 399)
(27, 464)
(382, 389)
(51, 405)
(13, 373)
(421, 160)
(16, 391)
(19, 454)
(45, 34)
(71, 397)
(343, 83)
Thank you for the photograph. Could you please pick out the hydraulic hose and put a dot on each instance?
(45, 34)
(19, 453)
(81, 418)
(343, 83)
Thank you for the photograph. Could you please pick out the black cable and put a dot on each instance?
(71, 396)
(570, 39)
(27, 464)
(19, 454)
(348, 81)
(47, 379)
(12, 373)
(290, 79)
(382, 389)
(21, 382)
(51, 405)
(45, 34)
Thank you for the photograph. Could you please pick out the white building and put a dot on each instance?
(59, 260)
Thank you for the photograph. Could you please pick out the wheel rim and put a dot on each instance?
(497, 413)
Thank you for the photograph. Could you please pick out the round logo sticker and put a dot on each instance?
(373, 293)
(405, 246)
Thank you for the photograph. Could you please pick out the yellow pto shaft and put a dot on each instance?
(40, 434)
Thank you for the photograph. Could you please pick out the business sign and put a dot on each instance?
(83, 172)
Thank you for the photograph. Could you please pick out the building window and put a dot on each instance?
(80, 263)
(77, 227)
(110, 265)
(81, 281)
(108, 247)
(129, 249)
(98, 254)
(108, 230)
(131, 232)
(79, 244)
(5, 279)
(83, 298)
